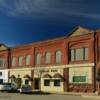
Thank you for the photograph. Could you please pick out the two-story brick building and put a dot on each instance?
(4, 63)
(67, 63)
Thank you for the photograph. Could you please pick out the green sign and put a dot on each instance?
(79, 78)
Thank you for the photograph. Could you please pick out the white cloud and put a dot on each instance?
(45, 8)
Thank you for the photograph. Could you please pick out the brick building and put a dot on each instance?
(69, 63)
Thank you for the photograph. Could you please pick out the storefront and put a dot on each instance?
(49, 79)
(80, 79)
(20, 77)
(3, 76)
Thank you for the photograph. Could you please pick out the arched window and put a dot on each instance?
(13, 61)
(20, 60)
(58, 56)
(28, 58)
(47, 57)
(38, 59)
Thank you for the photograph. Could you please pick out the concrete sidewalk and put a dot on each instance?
(68, 93)
(91, 95)
(85, 95)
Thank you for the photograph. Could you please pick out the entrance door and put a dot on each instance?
(37, 83)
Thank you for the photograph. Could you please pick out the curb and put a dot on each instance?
(68, 93)
(91, 95)
(96, 97)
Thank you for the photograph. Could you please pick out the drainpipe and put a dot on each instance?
(94, 68)
(9, 62)
(9, 58)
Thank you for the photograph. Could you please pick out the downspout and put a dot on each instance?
(9, 58)
(9, 62)
(94, 68)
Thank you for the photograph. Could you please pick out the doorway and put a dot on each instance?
(37, 84)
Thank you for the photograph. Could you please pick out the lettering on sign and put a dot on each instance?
(54, 70)
(51, 70)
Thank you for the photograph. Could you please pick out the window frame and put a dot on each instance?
(40, 59)
(45, 82)
(46, 58)
(20, 63)
(14, 61)
(83, 54)
(28, 60)
(57, 60)
(3, 62)
(57, 84)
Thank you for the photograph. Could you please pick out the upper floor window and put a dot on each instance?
(28, 57)
(47, 57)
(20, 60)
(38, 59)
(13, 61)
(1, 62)
(58, 56)
(77, 54)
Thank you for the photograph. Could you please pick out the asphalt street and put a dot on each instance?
(17, 96)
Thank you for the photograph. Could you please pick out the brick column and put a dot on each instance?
(66, 79)
(32, 81)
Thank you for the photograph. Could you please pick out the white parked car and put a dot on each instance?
(25, 89)
(5, 87)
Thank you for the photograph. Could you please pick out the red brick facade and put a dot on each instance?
(64, 44)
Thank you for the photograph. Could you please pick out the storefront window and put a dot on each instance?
(26, 82)
(14, 82)
(56, 82)
(46, 82)
(0, 73)
(79, 78)
(19, 82)
(1, 81)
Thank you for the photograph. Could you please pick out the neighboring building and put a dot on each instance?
(69, 63)
(80, 65)
(4, 63)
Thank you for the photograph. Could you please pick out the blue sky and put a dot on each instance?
(26, 21)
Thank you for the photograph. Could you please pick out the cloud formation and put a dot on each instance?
(48, 8)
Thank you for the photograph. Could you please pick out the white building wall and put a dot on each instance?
(4, 75)
(81, 71)
(52, 88)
